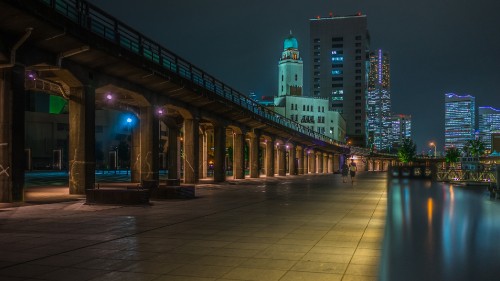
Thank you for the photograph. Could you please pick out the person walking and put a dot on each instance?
(352, 170)
(345, 172)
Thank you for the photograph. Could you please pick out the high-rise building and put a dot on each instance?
(291, 70)
(378, 101)
(339, 47)
(311, 112)
(400, 128)
(459, 120)
(489, 123)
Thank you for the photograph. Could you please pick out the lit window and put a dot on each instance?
(336, 72)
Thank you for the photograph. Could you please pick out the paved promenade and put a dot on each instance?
(286, 228)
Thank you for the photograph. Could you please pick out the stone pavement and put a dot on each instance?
(311, 227)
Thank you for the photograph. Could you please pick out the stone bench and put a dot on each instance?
(128, 195)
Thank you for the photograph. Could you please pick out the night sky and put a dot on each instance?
(436, 46)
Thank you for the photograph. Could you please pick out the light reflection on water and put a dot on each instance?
(437, 231)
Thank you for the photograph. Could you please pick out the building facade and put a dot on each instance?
(488, 124)
(311, 112)
(291, 70)
(339, 68)
(460, 120)
(378, 102)
(400, 128)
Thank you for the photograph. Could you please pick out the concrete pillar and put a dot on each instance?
(282, 160)
(219, 153)
(191, 154)
(239, 156)
(270, 158)
(173, 152)
(254, 154)
(145, 146)
(325, 163)
(319, 163)
(292, 169)
(203, 158)
(81, 152)
(330, 164)
(12, 105)
(306, 161)
(336, 162)
(135, 152)
(312, 162)
(300, 156)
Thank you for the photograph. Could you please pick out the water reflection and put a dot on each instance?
(436, 231)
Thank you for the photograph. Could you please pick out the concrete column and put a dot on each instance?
(292, 169)
(306, 161)
(81, 152)
(203, 158)
(191, 146)
(325, 163)
(173, 152)
(254, 155)
(336, 162)
(12, 105)
(300, 156)
(331, 168)
(270, 158)
(312, 162)
(219, 153)
(145, 146)
(239, 156)
(282, 160)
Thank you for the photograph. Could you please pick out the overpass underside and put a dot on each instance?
(43, 52)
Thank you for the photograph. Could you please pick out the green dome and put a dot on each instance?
(290, 43)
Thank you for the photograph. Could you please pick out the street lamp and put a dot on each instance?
(433, 144)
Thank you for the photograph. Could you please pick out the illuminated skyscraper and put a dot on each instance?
(399, 129)
(378, 101)
(459, 120)
(339, 47)
(489, 123)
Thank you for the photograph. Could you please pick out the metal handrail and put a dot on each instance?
(104, 25)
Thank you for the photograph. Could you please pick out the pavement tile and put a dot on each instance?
(309, 276)
(255, 274)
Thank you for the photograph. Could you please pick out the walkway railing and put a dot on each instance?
(93, 19)
(485, 175)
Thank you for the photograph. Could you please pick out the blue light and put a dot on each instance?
(129, 120)
(336, 72)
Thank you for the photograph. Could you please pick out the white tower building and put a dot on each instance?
(291, 70)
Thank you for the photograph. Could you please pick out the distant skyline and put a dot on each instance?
(436, 47)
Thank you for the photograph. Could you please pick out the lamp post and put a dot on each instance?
(433, 144)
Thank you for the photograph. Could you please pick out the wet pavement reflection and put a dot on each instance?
(438, 231)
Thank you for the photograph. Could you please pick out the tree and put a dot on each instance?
(407, 151)
(452, 155)
(474, 148)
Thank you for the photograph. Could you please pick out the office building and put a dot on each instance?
(378, 102)
(488, 123)
(460, 120)
(400, 128)
(338, 69)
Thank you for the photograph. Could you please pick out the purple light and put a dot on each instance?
(380, 66)
(109, 96)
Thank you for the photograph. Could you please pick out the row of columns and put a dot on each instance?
(145, 145)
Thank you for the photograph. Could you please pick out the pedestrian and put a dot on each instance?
(352, 170)
(345, 172)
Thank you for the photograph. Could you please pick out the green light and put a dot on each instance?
(56, 104)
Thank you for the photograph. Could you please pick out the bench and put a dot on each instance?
(128, 195)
